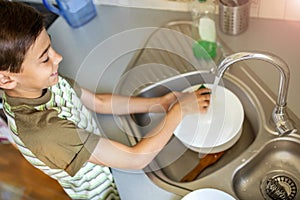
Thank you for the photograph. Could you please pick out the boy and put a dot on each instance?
(50, 119)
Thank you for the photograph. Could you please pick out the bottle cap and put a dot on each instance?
(201, 0)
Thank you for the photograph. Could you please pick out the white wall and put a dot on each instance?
(276, 9)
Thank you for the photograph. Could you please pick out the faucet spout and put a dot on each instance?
(282, 122)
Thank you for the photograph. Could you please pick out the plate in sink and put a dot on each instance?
(219, 128)
(208, 194)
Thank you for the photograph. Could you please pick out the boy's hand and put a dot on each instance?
(195, 102)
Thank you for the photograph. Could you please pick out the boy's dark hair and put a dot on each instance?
(20, 25)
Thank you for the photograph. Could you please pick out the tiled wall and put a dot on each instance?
(276, 9)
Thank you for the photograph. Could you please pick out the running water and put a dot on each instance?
(210, 111)
(214, 89)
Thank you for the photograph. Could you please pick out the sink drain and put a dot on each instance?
(279, 187)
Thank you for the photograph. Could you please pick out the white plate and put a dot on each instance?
(208, 194)
(216, 130)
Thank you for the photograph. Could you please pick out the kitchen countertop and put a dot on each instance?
(281, 38)
(97, 54)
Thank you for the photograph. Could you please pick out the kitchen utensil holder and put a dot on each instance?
(234, 16)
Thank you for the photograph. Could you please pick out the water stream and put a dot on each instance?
(214, 89)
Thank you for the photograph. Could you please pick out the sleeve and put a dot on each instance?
(56, 142)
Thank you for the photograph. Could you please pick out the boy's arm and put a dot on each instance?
(117, 155)
(118, 105)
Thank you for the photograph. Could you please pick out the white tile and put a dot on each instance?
(254, 10)
(292, 11)
(274, 9)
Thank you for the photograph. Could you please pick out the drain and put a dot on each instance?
(279, 187)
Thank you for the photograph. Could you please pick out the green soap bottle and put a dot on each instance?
(203, 28)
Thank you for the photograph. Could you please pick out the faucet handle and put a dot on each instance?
(283, 124)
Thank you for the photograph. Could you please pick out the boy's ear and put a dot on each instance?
(6, 82)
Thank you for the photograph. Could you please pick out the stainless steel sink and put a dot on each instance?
(176, 160)
(246, 170)
(277, 162)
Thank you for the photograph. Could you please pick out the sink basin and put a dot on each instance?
(176, 160)
(279, 159)
(259, 156)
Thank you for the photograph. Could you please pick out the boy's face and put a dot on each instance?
(39, 68)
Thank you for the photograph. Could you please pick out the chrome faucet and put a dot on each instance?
(283, 125)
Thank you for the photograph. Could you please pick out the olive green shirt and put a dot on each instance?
(57, 134)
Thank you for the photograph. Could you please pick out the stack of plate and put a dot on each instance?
(219, 128)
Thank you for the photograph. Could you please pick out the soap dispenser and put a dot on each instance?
(203, 28)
